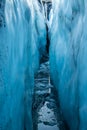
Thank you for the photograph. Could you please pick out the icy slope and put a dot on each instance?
(19, 60)
(68, 55)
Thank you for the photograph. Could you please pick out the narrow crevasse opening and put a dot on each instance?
(45, 108)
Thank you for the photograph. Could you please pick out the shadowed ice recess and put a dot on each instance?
(46, 113)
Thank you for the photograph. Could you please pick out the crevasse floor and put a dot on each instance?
(46, 115)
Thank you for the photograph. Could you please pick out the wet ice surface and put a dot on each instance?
(44, 127)
(46, 115)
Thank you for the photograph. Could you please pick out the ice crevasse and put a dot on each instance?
(68, 59)
(23, 42)
(21, 37)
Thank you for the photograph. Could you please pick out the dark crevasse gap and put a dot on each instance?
(46, 111)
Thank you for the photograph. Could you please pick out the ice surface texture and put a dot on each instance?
(19, 60)
(68, 59)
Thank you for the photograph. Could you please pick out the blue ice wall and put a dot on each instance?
(19, 60)
(68, 65)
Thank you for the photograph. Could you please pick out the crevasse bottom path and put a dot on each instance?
(46, 114)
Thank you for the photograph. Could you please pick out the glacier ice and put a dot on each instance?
(40, 27)
(68, 54)
(23, 43)
(19, 60)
